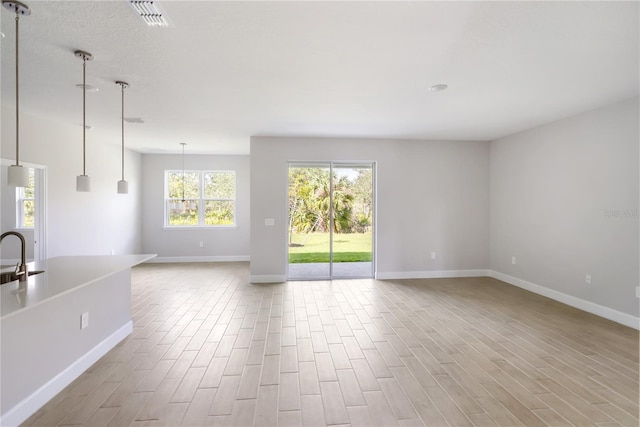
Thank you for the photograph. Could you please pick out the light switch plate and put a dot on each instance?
(269, 222)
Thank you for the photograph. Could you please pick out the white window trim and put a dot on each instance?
(20, 209)
(201, 201)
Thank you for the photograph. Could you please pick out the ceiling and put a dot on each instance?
(226, 71)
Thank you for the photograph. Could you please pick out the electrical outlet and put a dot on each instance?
(513, 259)
(84, 320)
(113, 252)
(201, 244)
(433, 255)
(587, 279)
(637, 291)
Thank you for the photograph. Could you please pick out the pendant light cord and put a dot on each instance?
(122, 86)
(17, 95)
(84, 115)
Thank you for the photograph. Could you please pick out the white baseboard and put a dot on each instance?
(229, 258)
(431, 274)
(588, 306)
(273, 278)
(38, 398)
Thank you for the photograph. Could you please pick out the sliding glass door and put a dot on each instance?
(331, 220)
(309, 221)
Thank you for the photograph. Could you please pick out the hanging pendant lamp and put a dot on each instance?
(18, 175)
(83, 182)
(123, 186)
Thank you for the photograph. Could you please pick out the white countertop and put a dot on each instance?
(61, 275)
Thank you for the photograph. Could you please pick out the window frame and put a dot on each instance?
(201, 200)
(20, 199)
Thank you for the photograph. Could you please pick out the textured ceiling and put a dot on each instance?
(225, 71)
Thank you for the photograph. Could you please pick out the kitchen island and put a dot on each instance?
(57, 324)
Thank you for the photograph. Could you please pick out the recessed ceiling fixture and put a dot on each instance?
(437, 88)
(88, 88)
(133, 120)
(123, 186)
(18, 175)
(83, 182)
(149, 13)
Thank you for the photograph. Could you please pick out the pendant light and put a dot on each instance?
(18, 175)
(123, 186)
(83, 182)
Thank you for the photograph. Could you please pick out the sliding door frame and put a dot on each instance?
(331, 165)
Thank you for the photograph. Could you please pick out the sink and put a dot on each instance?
(11, 276)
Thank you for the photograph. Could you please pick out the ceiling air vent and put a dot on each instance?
(149, 12)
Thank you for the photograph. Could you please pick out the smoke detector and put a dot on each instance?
(437, 88)
(88, 88)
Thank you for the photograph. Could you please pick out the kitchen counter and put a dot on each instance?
(57, 324)
(61, 275)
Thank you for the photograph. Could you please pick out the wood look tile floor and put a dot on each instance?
(209, 349)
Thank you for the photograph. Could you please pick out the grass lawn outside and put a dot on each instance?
(351, 247)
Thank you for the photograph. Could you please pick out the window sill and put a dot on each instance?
(201, 227)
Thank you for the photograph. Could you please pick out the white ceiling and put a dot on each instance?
(225, 71)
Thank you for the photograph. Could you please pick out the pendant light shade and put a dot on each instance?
(18, 175)
(83, 182)
(123, 186)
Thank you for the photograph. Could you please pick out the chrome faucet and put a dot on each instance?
(21, 267)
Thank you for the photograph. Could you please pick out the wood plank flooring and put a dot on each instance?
(209, 349)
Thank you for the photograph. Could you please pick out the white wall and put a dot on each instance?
(564, 201)
(431, 196)
(91, 223)
(229, 243)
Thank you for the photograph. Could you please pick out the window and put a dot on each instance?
(25, 203)
(200, 198)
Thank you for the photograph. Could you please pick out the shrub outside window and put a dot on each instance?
(200, 198)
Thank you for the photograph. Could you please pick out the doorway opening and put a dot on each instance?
(331, 223)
